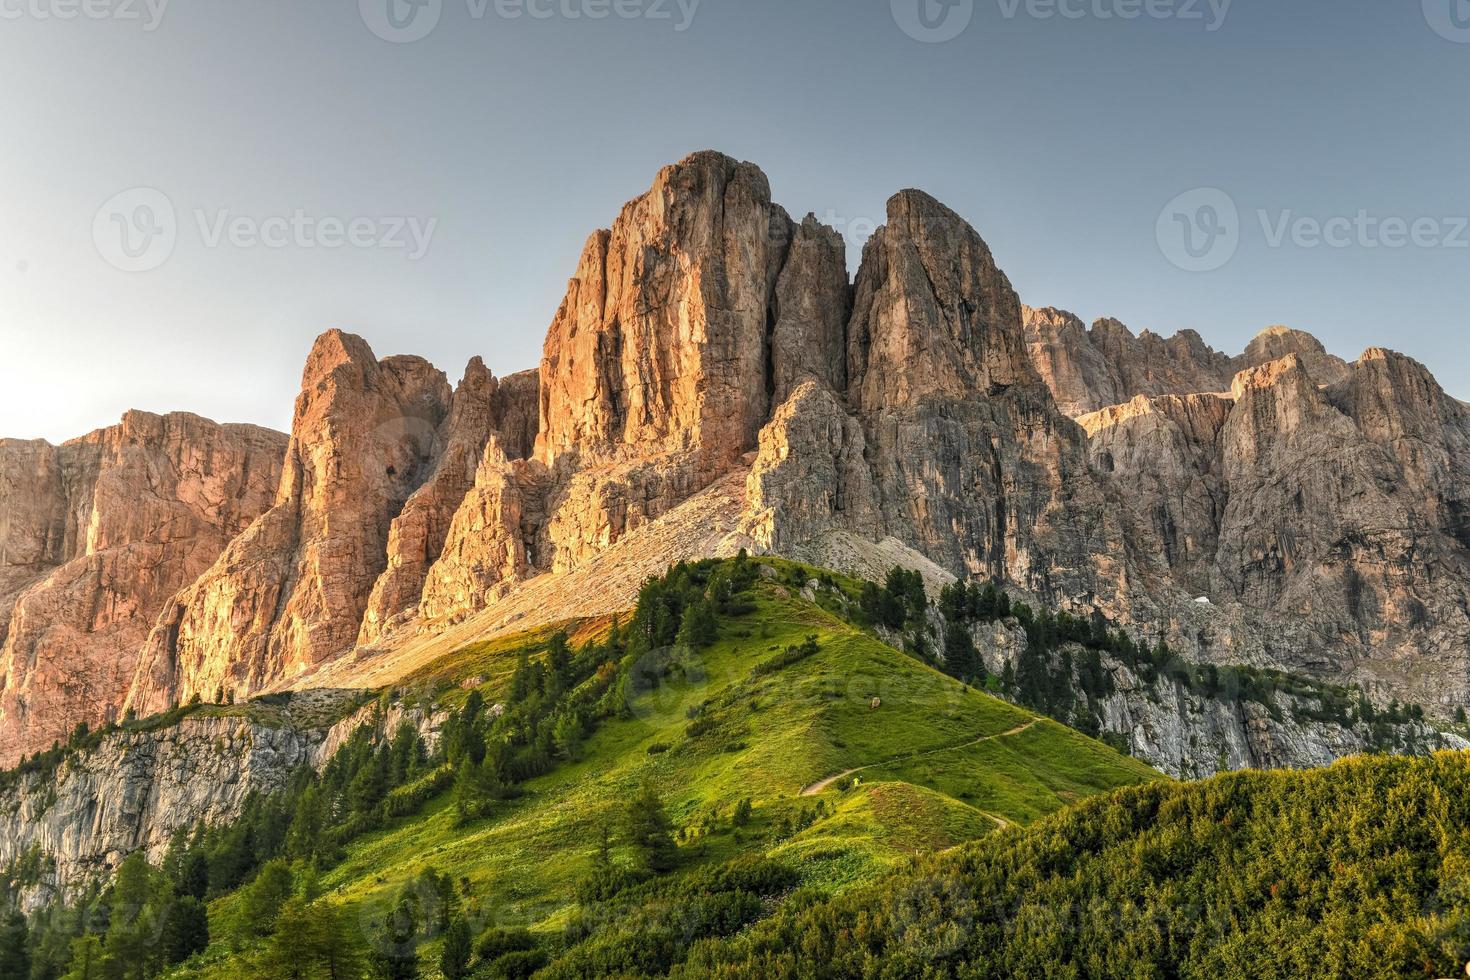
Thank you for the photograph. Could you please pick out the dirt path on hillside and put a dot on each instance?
(821, 785)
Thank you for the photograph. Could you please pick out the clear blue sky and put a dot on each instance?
(1061, 138)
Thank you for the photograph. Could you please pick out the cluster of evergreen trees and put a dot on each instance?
(645, 929)
(146, 920)
(1361, 870)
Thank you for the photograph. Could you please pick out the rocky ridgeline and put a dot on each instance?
(914, 412)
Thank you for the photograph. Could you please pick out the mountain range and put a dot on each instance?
(716, 380)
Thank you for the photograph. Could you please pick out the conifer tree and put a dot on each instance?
(700, 627)
(15, 955)
(394, 955)
(648, 831)
(454, 960)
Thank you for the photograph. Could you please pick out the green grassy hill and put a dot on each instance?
(749, 717)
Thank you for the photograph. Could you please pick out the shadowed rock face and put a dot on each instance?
(95, 535)
(706, 340)
(812, 306)
(970, 461)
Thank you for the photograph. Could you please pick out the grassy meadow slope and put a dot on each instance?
(746, 718)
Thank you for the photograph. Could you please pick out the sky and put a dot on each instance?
(191, 191)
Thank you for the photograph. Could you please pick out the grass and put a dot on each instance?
(723, 731)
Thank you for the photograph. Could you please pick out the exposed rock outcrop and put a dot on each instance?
(1274, 343)
(1327, 521)
(491, 542)
(1165, 450)
(95, 536)
(933, 315)
(515, 413)
(417, 535)
(661, 342)
(1193, 734)
(813, 303)
(948, 441)
(136, 788)
(34, 517)
(810, 474)
(1088, 370)
(293, 589)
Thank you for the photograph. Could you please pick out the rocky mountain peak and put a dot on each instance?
(1396, 402)
(932, 314)
(1052, 324)
(661, 341)
(333, 353)
(293, 589)
(1274, 343)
